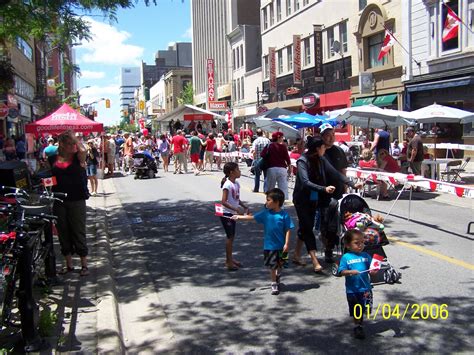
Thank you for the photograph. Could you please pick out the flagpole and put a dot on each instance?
(458, 17)
(401, 45)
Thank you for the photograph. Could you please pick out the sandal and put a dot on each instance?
(318, 270)
(84, 271)
(65, 270)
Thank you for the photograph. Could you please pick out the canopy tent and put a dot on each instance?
(305, 120)
(270, 125)
(63, 119)
(184, 112)
(440, 114)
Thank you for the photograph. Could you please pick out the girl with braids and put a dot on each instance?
(232, 205)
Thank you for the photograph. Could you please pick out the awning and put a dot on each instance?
(385, 100)
(363, 101)
(179, 112)
(441, 84)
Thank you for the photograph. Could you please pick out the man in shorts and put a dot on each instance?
(194, 150)
(415, 150)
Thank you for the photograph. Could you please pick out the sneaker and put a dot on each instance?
(359, 332)
(275, 289)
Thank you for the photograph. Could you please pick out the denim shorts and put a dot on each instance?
(91, 170)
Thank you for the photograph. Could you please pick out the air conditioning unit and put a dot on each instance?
(366, 83)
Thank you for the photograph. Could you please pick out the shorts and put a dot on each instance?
(201, 154)
(194, 158)
(229, 225)
(364, 299)
(272, 259)
(91, 170)
(416, 167)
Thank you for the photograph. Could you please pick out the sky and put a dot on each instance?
(136, 36)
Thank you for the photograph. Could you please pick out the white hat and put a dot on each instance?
(324, 127)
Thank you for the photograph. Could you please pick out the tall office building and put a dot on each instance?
(129, 81)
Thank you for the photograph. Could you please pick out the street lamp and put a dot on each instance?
(79, 95)
(261, 95)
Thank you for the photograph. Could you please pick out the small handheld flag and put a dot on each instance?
(48, 182)
(219, 209)
(376, 262)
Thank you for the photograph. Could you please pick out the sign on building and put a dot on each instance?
(272, 62)
(211, 89)
(318, 52)
(217, 105)
(296, 59)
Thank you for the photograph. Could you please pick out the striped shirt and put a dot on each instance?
(258, 145)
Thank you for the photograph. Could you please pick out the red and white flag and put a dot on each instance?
(219, 209)
(388, 42)
(451, 25)
(48, 182)
(376, 262)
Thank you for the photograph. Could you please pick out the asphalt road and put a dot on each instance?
(210, 310)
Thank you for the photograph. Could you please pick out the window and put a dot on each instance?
(242, 92)
(234, 92)
(452, 43)
(288, 8)
(272, 14)
(238, 90)
(374, 44)
(330, 34)
(280, 61)
(237, 54)
(297, 5)
(362, 4)
(233, 59)
(278, 3)
(307, 51)
(25, 48)
(289, 58)
(242, 55)
(305, 2)
(343, 36)
(265, 18)
(266, 69)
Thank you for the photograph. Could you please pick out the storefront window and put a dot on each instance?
(289, 58)
(452, 43)
(374, 44)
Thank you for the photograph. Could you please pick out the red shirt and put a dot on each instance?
(179, 144)
(210, 143)
(371, 164)
(278, 157)
(392, 165)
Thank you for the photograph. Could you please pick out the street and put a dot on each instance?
(175, 294)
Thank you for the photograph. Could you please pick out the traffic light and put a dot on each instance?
(141, 105)
(107, 103)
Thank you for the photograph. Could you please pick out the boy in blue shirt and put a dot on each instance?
(277, 225)
(355, 265)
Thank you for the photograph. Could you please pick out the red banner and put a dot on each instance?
(210, 81)
(297, 59)
(272, 63)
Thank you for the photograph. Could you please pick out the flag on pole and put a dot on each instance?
(219, 209)
(376, 262)
(48, 182)
(388, 42)
(451, 25)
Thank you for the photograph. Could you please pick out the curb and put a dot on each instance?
(109, 332)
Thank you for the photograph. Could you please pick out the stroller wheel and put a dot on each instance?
(151, 174)
(396, 276)
(387, 276)
(335, 270)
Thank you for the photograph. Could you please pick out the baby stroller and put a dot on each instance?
(374, 233)
(144, 165)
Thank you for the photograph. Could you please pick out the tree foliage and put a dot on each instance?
(187, 95)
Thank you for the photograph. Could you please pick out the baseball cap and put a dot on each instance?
(324, 127)
(276, 135)
(409, 129)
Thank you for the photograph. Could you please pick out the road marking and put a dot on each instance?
(433, 253)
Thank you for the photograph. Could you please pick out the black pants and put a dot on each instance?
(330, 225)
(306, 213)
(72, 227)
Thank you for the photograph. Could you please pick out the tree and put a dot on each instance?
(187, 95)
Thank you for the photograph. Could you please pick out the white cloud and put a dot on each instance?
(171, 44)
(108, 46)
(88, 74)
(188, 33)
(95, 93)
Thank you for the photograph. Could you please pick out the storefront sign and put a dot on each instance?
(12, 101)
(310, 100)
(297, 59)
(318, 52)
(292, 91)
(210, 81)
(50, 87)
(218, 105)
(272, 62)
(3, 110)
(198, 117)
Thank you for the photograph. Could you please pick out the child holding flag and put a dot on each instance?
(277, 224)
(230, 204)
(355, 265)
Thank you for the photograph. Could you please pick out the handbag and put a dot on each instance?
(264, 161)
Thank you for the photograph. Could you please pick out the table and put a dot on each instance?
(435, 163)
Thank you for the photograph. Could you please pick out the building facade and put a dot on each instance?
(129, 81)
(175, 81)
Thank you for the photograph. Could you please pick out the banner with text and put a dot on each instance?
(318, 52)
(296, 59)
(210, 81)
(273, 77)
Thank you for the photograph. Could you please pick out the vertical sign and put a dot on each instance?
(210, 81)
(272, 62)
(318, 52)
(50, 87)
(296, 59)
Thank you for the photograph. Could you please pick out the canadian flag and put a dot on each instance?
(219, 209)
(228, 116)
(51, 181)
(376, 262)
(388, 42)
(451, 25)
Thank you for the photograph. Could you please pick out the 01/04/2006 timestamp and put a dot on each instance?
(415, 311)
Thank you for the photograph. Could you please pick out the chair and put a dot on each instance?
(453, 170)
